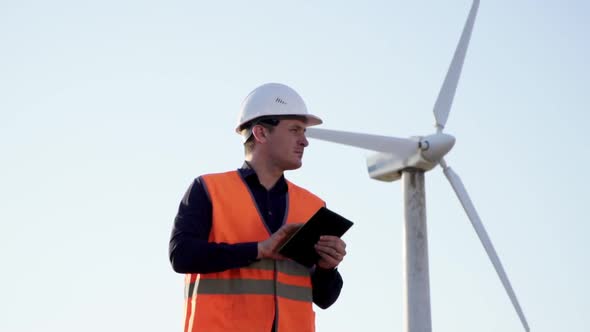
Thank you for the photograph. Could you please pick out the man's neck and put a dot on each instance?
(268, 175)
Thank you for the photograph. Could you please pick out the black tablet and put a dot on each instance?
(300, 246)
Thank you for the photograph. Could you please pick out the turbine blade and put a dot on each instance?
(399, 147)
(443, 104)
(485, 240)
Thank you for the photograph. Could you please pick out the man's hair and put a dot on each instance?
(268, 122)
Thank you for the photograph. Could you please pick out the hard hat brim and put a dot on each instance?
(312, 120)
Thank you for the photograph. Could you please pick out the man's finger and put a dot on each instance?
(331, 251)
(289, 229)
(328, 262)
(338, 245)
(333, 240)
(329, 258)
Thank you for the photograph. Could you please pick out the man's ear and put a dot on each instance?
(259, 133)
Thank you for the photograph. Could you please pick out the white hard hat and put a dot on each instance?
(274, 99)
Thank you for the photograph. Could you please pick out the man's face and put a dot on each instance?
(286, 144)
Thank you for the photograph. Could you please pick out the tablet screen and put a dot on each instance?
(300, 246)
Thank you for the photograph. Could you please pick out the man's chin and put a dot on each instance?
(294, 165)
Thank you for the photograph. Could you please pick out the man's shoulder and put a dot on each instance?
(221, 178)
(218, 175)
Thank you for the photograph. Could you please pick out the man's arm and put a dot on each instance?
(326, 280)
(326, 286)
(189, 248)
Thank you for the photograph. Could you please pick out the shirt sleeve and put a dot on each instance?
(326, 286)
(190, 250)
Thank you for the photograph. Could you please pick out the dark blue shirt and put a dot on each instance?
(191, 252)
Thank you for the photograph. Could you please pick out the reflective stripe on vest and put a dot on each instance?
(252, 286)
(293, 282)
(248, 298)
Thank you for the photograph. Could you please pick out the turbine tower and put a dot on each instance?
(409, 159)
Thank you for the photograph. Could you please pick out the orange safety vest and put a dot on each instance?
(248, 299)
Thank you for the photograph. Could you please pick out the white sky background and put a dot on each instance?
(109, 109)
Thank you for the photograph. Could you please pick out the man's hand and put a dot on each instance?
(331, 250)
(268, 248)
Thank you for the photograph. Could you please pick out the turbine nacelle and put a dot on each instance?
(429, 151)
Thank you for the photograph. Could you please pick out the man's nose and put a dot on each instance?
(304, 141)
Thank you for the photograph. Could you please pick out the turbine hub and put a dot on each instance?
(436, 146)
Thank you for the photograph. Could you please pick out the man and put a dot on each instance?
(230, 225)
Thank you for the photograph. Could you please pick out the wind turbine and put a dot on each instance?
(409, 159)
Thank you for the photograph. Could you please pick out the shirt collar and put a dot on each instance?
(250, 176)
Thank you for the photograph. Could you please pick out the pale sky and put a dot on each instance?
(109, 109)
